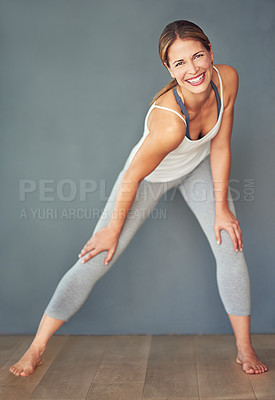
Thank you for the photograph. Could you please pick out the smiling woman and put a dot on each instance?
(185, 145)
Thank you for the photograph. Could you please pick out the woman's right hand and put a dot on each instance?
(105, 239)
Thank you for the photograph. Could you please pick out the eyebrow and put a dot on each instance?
(201, 51)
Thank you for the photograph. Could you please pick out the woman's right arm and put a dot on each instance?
(165, 136)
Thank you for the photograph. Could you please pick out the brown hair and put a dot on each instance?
(180, 29)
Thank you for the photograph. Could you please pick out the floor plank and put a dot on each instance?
(116, 391)
(125, 360)
(122, 371)
(219, 376)
(128, 348)
(12, 392)
(171, 370)
(172, 398)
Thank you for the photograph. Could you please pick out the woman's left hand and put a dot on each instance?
(226, 220)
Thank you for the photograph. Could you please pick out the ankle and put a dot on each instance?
(243, 346)
(39, 344)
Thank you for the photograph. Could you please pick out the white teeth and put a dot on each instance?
(199, 78)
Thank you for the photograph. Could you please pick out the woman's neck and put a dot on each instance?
(195, 101)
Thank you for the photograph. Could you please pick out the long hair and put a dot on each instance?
(180, 29)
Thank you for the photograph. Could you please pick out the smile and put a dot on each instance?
(196, 81)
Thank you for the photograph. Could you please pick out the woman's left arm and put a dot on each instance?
(220, 159)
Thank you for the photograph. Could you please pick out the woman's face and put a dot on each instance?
(190, 64)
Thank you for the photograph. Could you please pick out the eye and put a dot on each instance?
(198, 55)
(179, 63)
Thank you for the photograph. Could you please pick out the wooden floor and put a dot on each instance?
(134, 367)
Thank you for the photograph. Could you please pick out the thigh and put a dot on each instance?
(146, 199)
(198, 191)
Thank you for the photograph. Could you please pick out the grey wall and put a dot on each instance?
(77, 78)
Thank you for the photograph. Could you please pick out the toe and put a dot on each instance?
(263, 367)
(16, 372)
(250, 370)
(25, 373)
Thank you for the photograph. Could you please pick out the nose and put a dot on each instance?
(191, 68)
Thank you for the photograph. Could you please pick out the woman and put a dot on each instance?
(186, 140)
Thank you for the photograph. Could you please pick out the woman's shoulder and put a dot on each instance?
(166, 114)
(169, 109)
(230, 82)
(227, 72)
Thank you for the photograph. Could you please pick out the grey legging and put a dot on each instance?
(197, 190)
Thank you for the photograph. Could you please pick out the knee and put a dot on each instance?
(97, 260)
(225, 250)
(96, 266)
(85, 273)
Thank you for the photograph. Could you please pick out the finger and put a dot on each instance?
(241, 238)
(88, 247)
(233, 237)
(109, 256)
(90, 255)
(218, 235)
(238, 233)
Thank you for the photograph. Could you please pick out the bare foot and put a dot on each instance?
(27, 364)
(250, 362)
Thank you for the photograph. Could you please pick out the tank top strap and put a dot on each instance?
(221, 88)
(183, 109)
(217, 96)
(170, 109)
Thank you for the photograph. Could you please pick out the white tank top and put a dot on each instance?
(186, 156)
